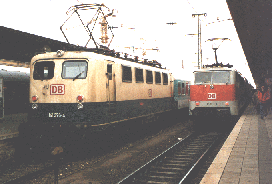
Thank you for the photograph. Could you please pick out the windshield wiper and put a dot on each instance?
(37, 73)
(78, 75)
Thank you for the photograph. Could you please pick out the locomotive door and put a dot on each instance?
(111, 89)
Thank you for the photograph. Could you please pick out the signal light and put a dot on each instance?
(226, 103)
(34, 98)
(197, 103)
(80, 98)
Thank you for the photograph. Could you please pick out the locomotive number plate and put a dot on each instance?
(56, 115)
(211, 95)
(57, 89)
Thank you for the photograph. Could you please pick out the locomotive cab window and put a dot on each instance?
(221, 77)
(139, 75)
(165, 78)
(158, 77)
(74, 69)
(212, 77)
(149, 77)
(127, 74)
(203, 77)
(43, 70)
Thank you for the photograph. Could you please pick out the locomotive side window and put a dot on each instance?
(43, 70)
(165, 78)
(127, 74)
(139, 75)
(74, 69)
(158, 77)
(109, 71)
(149, 77)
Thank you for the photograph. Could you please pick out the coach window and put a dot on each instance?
(165, 78)
(149, 77)
(74, 69)
(127, 74)
(183, 89)
(179, 88)
(43, 70)
(158, 77)
(139, 75)
(187, 88)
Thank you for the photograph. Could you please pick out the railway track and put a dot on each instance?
(50, 170)
(174, 164)
(14, 172)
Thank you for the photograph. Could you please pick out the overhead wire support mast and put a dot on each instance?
(199, 37)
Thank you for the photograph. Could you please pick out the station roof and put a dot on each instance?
(252, 20)
(21, 46)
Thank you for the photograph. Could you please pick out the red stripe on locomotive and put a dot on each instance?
(223, 92)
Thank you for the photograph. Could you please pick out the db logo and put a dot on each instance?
(57, 89)
(211, 95)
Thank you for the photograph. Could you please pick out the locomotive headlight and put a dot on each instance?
(80, 106)
(80, 98)
(34, 98)
(34, 106)
(226, 103)
(211, 86)
(197, 103)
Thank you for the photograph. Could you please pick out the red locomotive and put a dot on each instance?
(218, 89)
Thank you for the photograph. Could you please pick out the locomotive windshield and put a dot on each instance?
(203, 77)
(43, 70)
(74, 69)
(212, 77)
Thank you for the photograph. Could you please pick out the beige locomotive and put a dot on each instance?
(90, 89)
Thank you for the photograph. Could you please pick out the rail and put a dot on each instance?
(174, 164)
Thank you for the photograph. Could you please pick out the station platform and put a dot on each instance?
(9, 125)
(246, 156)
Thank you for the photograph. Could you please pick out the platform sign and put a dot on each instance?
(1, 98)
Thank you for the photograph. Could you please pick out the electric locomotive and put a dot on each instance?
(78, 90)
(219, 90)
